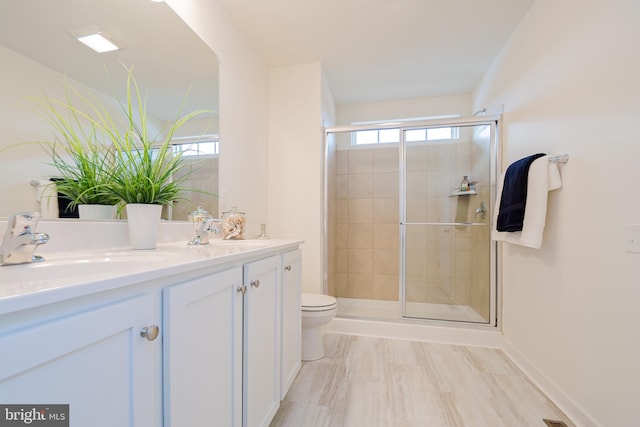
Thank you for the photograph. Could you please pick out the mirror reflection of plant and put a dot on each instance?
(86, 179)
(85, 164)
(132, 166)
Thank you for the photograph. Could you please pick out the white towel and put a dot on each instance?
(544, 176)
(47, 197)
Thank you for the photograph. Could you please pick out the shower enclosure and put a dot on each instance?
(405, 237)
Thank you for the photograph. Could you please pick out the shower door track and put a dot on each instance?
(419, 124)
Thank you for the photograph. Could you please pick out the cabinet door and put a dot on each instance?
(291, 320)
(203, 351)
(262, 341)
(96, 361)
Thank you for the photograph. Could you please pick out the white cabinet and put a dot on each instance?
(96, 361)
(261, 385)
(225, 350)
(272, 328)
(291, 320)
(203, 351)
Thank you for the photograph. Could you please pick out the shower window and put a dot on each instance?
(431, 134)
(378, 136)
(196, 146)
(392, 135)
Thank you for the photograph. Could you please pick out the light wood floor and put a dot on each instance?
(370, 382)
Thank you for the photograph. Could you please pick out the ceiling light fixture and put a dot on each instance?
(96, 39)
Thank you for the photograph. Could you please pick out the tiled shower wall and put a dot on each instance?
(204, 183)
(366, 231)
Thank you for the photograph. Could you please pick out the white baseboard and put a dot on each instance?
(573, 411)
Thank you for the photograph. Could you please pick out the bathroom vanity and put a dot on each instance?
(177, 336)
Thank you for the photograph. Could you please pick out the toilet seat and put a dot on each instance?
(318, 302)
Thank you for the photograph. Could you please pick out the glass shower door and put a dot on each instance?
(446, 249)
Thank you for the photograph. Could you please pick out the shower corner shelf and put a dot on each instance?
(462, 193)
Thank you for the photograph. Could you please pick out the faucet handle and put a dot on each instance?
(21, 223)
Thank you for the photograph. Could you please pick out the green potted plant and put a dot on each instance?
(146, 177)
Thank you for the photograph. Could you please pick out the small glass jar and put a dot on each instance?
(233, 224)
(198, 216)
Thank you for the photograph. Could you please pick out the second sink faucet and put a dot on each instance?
(203, 223)
(20, 241)
(205, 227)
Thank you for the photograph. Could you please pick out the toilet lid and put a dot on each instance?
(317, 302)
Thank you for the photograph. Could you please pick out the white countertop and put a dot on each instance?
(69, 274)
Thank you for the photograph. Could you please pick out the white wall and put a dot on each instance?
(296, 162)
(243, 116)
(21, 161)
(328, 103)
(404, 108)
(569, 83)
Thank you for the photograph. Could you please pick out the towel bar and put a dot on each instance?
(563, 158)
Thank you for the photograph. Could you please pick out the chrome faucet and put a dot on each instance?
(203, 223)
(20, 241)
(204, 229)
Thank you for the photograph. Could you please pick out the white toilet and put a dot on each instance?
(317, 311)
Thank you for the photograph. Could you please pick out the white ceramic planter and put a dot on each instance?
(96, 211)
(143, 223)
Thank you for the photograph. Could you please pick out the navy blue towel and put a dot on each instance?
(514, 195)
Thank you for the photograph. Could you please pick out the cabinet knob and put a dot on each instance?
(287, 268)
(242, 289)
(150, 332)
(255, 283)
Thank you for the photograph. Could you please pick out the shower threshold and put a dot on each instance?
(391, 310)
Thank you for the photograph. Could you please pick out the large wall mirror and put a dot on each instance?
(39, 56)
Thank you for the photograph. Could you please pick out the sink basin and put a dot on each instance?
(75, 268)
